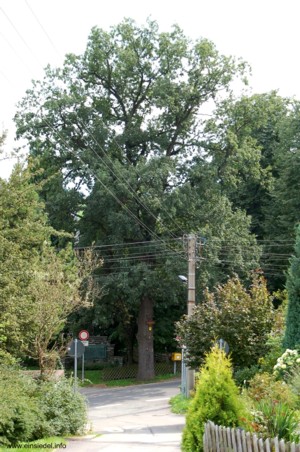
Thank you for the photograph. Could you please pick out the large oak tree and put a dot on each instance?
(120, 126)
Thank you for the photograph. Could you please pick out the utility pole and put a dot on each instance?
(191, 300)
(191, 274)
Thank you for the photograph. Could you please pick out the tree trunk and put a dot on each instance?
(130, 336)
(145, 340)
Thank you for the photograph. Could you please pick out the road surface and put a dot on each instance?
(132, 418)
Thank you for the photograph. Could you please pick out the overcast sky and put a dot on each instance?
(33, 33)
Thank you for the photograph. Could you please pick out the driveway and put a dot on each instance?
(134, 418)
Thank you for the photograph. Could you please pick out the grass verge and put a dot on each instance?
(94, 377)
(179, 404)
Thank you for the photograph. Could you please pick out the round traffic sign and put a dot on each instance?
(83, 335)
(80, 348)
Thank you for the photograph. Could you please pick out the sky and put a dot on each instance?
(34, 33)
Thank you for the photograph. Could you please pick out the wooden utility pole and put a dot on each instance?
(191, 245)
(191, 274)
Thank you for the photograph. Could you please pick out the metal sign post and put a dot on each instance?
(75, 365)
(76, 349)
(183, 374)
(82, 368)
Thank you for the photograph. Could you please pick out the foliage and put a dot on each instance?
(292, 332)
(39, 286)
(123, 121)
(243, 375)
(294, 384)
(64, 411)
(278, 419)
(23, 231)
(216, 399)
(275, 349)
(31, 410)
(19, 408)
(241, 317)
(263, 386)
(287, 363)
(179, 404)
(274, 340)
(241, 140)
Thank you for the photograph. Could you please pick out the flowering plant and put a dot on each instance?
(286, 364)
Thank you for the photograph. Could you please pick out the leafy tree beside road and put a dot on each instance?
(241, 317)
(39, 286)
(123, 121)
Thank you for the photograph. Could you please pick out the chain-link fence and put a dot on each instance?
(130, 371)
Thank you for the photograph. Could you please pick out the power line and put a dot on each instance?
(126, 244)
(98, 179)
(20, 36)
(43, 28)
(267, 243)
(113, 169)
(132, 190)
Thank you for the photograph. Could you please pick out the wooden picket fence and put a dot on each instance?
(225, 439)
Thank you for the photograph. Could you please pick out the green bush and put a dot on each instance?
(294, 385)
(179, 404)
(242, 317)
(243, 375)
(268, 361)
(263, 386)
(64, 412)
(19, 410)
(216, 399)
(31, 410)
(287, 363)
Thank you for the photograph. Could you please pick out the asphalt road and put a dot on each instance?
(135, 418)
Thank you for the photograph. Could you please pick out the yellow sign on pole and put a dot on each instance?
(176, 357)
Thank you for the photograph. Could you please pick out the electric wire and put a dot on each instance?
(262, 242)
(43, 28)
(152, 233)
(143, 225)
(20, 36)
(113, 138)
(123, 180)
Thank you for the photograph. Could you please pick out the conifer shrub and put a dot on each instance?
(292, 331)
(216, 399)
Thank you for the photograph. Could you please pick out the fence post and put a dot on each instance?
(217, 439)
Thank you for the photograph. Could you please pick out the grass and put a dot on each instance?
(94, 377)
(179, 404)
(52, 442)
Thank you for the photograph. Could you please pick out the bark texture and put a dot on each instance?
(145, 340)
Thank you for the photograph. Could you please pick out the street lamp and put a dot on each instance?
(183, 279)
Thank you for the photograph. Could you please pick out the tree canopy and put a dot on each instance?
(139, 141)
(118, 132)
(241, 317)
(39, 285)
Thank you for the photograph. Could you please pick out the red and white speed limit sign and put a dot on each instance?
(83, 335)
